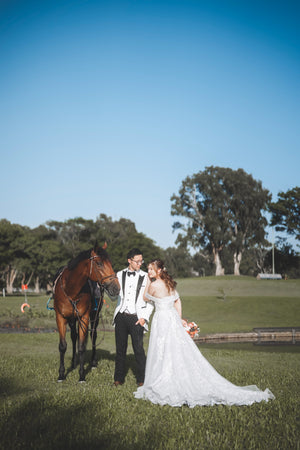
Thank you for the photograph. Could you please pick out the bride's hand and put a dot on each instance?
(184, 322)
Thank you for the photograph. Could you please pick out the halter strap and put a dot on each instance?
(100, 281)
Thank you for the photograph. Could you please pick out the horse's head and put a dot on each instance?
(101, 270)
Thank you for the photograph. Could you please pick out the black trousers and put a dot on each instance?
(125, 326)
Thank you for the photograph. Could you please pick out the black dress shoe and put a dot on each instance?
(118, 383)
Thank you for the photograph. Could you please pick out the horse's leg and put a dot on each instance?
(82, 338)
(72, 324)
(62, 325)
(94, 319)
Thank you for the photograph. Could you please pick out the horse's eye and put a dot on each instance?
(99, 263)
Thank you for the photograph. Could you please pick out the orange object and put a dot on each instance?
(23, 306)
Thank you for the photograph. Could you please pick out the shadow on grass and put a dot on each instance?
(9, 387)
(102, 355)
(38, 425)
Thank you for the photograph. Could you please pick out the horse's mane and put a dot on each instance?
(86, 254)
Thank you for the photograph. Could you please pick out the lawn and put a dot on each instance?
(36, 412)
(217, 304)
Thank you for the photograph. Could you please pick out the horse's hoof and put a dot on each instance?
(81, 381)
(60, 380)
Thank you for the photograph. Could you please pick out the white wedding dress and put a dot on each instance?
(176, 371)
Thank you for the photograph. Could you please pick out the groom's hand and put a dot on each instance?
(141, 322)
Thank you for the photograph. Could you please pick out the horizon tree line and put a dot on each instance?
(222, 221)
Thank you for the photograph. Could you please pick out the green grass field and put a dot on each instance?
(36, 412)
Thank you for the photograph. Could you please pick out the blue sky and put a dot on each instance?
(106, 106)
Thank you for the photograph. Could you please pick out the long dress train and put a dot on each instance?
(176, 371)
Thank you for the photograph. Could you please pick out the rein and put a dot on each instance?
(99, 306)
(102, 288)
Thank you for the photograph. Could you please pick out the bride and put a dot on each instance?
(176, 371)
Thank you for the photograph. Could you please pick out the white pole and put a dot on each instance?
(273, 250)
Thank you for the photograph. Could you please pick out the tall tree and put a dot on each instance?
(286, 212)
(247, 200)
(202, 201)
(223, 207)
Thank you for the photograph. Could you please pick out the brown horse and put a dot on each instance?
(72, 300)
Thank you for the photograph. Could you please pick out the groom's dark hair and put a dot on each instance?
(134, 251)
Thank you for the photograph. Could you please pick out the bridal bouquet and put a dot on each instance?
(191, 328)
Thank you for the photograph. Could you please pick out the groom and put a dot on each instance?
(131, 316)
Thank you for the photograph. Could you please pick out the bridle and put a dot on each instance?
(101, 283)
(110, 277)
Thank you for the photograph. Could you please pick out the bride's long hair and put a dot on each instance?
(164, 275)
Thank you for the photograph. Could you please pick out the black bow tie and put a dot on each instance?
(130, 273)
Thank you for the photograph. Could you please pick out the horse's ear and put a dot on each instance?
(105, 245)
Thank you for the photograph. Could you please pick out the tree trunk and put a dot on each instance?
(37, 285)
(237, 258)
(260, 261)
(29, 279)
(217, 262)
(10, 278)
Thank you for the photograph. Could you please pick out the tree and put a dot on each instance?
(43, 255)
(121, 235)
(202, 264)
(223, 207)
(35, 255)
(178, 262)
(11, 255)
(286, 212)
(287, 262)
(74, 234)
(247, 200)
(201, 200)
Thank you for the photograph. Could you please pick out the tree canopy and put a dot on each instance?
(34, 255)
(286, 212)
(222, 207)
(220, 214)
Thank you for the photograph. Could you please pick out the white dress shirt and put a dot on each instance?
(128, 304)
